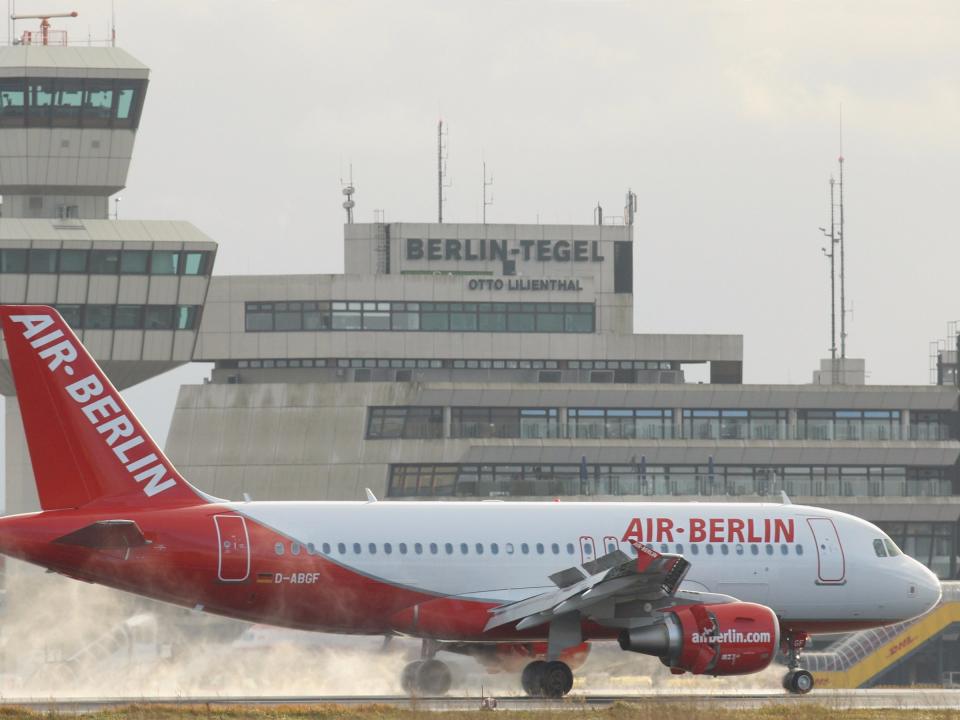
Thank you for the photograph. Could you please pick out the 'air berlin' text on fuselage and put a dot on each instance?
(713, 530)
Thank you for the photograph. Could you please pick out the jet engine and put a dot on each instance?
(730, 639)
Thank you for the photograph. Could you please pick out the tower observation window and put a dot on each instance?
(71, 102)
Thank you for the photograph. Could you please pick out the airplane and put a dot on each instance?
(708, 588)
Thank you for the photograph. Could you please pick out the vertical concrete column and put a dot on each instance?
(562, 420)
(792, 423)
(20, 490)
(678, 422)
(447, 423)
(904, 425)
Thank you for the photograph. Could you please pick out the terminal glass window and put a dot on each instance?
(164, 262)
(104, 262)
(134, 262)
(128, 317)
(935, 544)
(73, 261)
(620, 423)
(480, 422)
(43, 261)
(849, 425)
(434, 316)
(735, 424)
(405, 422)
(13, 261)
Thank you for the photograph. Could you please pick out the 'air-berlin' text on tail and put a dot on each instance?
(85, 443)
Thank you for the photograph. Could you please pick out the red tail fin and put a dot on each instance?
(85, 443)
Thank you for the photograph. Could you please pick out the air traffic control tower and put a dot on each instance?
(132, 289)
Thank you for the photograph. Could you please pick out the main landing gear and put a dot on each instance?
(552, 679)
(427, 676)
(797, 680)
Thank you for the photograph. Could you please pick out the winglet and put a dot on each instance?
(784, 499)
(371, 498)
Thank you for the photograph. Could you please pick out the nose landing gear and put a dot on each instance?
(797, 680)
(552, 679)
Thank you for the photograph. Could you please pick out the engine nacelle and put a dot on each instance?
(730, 639)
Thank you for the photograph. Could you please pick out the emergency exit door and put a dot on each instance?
(233, 555)
(831, 564)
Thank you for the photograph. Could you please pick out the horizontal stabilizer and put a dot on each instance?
(106, 535)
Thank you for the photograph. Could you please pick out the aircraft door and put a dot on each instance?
(831, 564)
(233, 554)
(587, 549)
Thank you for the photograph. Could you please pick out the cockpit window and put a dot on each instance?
(892, 548)
(879, 548)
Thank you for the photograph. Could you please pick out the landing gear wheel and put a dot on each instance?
(433, 677)
(800, 682)
(408, 678)
(532, 678)
(557, 679)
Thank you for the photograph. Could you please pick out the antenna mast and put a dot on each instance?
(843, 273)
(442, 181)
(486, 183)
(349, 190)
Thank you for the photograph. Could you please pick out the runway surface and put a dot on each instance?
(908, 699)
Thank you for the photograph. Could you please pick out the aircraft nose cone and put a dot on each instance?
(926, 590)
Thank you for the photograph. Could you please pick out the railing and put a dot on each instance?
(850, 650)
(48, 37)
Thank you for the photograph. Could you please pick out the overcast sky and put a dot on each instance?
(722, 116)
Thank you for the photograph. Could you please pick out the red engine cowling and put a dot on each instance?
(731, 639)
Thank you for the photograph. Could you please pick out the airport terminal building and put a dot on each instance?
(448, 361)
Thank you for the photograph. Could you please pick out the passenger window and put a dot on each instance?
(754, 550)
(769, 549)
(341, 548)
(464, 548)
(311, 549)
(294, 548)
(709, 549)
(402, 547)
(694, 549)
(739, 549)
(278, 548)
(540, 549)
(387, 548)
(326, 548)
(587, 548)
(448, 548)
(479, 548)
(725, 549)
(679, 548)
(570, 549)
(418, 548)
(611, 547)
(433, 548)
(664, 548)
(524, 548)
(372, 547)
(356, 548)
(799, 549)
(879, 549)
(494, 548)
(555, 548)
(509, 548)
(784, 549)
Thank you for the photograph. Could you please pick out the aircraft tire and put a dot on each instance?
(408, 678)
(801, 682)
(532, 678)
(433, 678)
(557, 679)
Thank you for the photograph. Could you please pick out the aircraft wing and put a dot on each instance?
(649, 576)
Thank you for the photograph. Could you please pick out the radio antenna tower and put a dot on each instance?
(831, 255)
(442, 181)
(843, 270)
(349, 190)
(486, 183)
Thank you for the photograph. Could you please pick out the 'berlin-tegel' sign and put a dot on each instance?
(483, 249)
